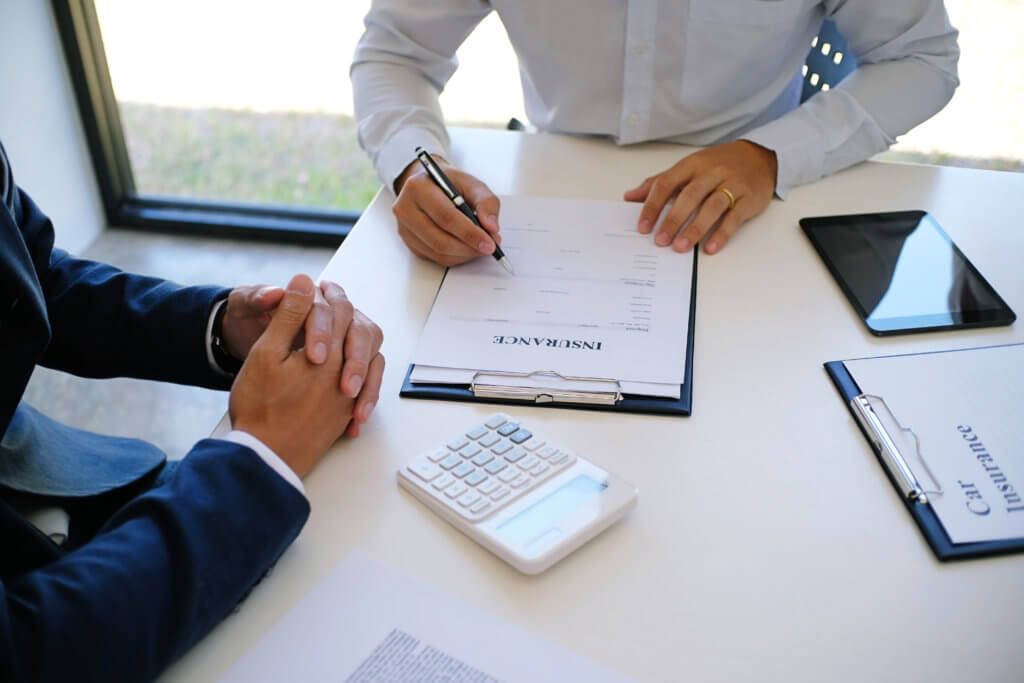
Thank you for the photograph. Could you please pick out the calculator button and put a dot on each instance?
(480, 507)
(508, 428)
(468, 498)
(546, 452)
(509, 474)
(528, 462)
(516, 454)
(559, 458)
(500, 493)
(438, 455)
(489, 440)
(476, 432)
(425, 470)
(533, 444)
(475, 478)
(456, 444)
(457, 489)
(462, 470)
(541, 468)
(482, 459)
(442, 482)
(520, 481)
(495, 421)
(470, 450)
(451, 461)
(502, 447)
(496, 466)
(487, 487)
(520, 436)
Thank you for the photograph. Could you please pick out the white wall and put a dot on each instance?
(40, 126)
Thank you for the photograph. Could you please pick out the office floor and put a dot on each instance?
(172, 417)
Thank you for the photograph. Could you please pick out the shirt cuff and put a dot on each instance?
(798, 149)
(268, 456)
(209, 340)
(400, 151)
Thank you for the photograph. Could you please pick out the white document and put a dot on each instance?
(368, 623)
(965, 407)
(591, 297)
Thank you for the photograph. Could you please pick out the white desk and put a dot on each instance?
(767, 543)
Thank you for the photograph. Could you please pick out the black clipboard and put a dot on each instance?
(629, 403)
(924, 515)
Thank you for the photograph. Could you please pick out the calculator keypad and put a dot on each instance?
(487, 467)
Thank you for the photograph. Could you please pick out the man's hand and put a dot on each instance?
(251, 308)
(746, 170)
(294, 406)
(432, 227)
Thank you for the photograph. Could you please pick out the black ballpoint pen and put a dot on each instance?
(438, 176)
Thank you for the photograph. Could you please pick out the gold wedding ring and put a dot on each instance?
(732, 199)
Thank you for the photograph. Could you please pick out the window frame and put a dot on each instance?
(80, 36)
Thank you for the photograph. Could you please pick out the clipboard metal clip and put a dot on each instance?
(864, 407)
(545, 394)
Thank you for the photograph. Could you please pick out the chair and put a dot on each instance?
(828, 62)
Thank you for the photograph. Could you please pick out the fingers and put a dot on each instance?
(731, 222)
(264, 298)
(440, 248)
(715, 205)
(483, 202)
(361, 345)
(432, 226)
(319, 328)
(660, 190)
(689, 200)
(290, 315)
(370, 394)
(639, 193)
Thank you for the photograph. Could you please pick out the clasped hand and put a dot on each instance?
(312, 367)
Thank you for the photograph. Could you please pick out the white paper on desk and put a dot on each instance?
(591, 297)
(367, 622)
(435, 375)
(965, 407)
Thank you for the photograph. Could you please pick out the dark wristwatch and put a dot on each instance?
(224, 360)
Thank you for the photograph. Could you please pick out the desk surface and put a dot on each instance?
(767, 543)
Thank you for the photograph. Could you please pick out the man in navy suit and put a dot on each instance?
(154, 554)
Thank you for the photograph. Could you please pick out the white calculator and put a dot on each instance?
(527, 499)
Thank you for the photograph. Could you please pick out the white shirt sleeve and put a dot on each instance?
(401, 64)
(906, 71)
(268, 456)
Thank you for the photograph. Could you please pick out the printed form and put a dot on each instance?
(367, 622)
(591, 298)
(964, 408)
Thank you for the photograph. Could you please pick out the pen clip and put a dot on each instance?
(435, 172)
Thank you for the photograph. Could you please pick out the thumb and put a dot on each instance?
(290, 315)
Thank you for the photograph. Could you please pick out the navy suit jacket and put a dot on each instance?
(174, 558)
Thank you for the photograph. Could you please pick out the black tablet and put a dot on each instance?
(902, 273)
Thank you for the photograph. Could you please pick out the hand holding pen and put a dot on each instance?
(430, 223)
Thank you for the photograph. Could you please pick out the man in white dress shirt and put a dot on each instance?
(720, 74)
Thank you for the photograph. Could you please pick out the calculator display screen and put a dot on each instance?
(534, 523)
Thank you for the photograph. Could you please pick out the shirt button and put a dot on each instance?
(640, 48)
(633, 119)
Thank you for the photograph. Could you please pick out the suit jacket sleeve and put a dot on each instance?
(108, 323)
(161, 573)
